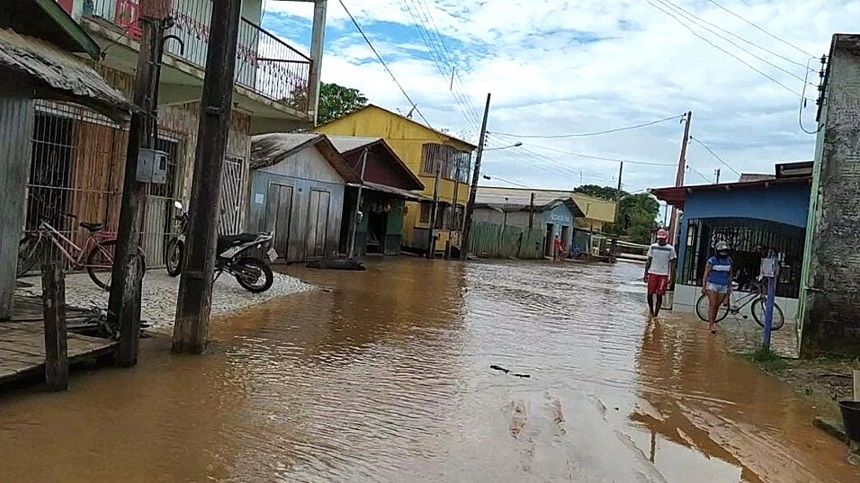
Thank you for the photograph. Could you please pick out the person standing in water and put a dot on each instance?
(659, 271)
(717, 283)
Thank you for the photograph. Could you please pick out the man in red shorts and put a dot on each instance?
(659, 270)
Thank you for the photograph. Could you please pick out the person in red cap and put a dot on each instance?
(659, 270)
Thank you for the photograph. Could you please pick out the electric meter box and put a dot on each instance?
(152, 166)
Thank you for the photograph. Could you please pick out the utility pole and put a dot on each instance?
(357, 210)
(717, 172)
(126, 276)
(532, 211)
(317, 47)
(194, 302)
(679, 178)
(431, 242)
(473, 193)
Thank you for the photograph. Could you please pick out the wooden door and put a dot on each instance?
(318, 224)
(279, 214)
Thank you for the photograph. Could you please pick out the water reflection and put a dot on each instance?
(384, 376)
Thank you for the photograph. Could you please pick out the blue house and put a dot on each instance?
(756, 213)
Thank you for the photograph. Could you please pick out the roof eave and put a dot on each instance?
(71, 28)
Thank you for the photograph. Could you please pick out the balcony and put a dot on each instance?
(265, 64)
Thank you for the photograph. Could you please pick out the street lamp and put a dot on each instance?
(516, 145)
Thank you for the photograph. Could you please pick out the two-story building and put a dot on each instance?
(430, 155)
(275, 90)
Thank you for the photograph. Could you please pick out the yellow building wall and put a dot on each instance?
(407, 139)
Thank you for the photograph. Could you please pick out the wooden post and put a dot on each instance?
(54, 306)
(856, 385)
(476, 174)
(127, 276)
(194, 302)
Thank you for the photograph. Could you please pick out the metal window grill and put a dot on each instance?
(749, 240)
(232, 178)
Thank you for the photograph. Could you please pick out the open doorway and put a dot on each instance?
(376, 224)
(565, 238)
(549, 240)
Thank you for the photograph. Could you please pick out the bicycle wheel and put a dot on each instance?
(100, 263)
(29, 252)
(702, 309)
(758, 310)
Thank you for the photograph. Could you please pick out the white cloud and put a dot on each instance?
(545, 80)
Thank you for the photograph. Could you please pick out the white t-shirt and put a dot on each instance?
(660, 258)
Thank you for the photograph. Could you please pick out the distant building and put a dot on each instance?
(387, 185)
(424, 150)
(750, 216)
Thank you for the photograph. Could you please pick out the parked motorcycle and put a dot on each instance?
(234, 256)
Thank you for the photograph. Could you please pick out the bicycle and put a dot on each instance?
(757, 296)
(96, 256)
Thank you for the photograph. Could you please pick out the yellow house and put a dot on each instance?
(431, 155)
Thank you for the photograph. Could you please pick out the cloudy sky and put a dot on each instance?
(561, 67)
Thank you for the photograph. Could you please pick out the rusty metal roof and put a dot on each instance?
(271, 149)
(63, 75)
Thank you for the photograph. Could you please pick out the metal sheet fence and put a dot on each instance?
(491, 240)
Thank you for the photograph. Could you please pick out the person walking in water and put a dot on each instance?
(558, 250)
(659, 271)
(717, 282)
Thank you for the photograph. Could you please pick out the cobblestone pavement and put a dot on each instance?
(159, 295)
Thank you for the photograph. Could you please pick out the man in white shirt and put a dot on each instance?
(659, 271)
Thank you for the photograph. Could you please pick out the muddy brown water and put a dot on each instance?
(385, 376)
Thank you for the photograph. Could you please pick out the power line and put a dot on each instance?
(503, 180)
(698, 22)
(582, 135)
(789, 89)
(762, 29)
(599, 158)
(733, 170)
(699, 173)
(422, 24)
(393, 77)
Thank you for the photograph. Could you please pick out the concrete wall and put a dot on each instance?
(304, 172)
(16, 133)
(830, 305)
(782, 203)
(686, 296)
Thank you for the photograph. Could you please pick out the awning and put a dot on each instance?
(400, 193)
(62, 75)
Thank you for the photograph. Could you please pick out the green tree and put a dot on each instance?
(338, 101)
(603, 192)
(636, 212)
(335, 101)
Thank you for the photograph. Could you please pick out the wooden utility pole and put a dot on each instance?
(476, 175)
(127, 275)
(679, 177)
(431, 241)
(532, 211)
(194, 302)
(717, 173)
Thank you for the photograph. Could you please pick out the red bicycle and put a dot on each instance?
(96, 255)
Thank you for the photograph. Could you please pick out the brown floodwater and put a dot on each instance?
(385, 375)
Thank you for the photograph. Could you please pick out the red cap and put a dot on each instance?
(662, 234)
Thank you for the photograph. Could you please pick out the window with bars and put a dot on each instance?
(455, 165)
(426, 211)
(749, 240)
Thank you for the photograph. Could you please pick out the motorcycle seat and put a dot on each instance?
(226, 242)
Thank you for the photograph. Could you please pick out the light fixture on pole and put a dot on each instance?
(516, 145)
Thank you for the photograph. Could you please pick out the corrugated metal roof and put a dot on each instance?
(392, 191)
(747, 177)
(271, 149)
(345, 144)
(60, 71)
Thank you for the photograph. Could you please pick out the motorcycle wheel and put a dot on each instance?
(173, 257)
(253, 275)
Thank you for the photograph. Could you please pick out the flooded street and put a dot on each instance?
(385, 376)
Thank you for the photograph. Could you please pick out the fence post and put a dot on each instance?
(768, 312)
(56, 344)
